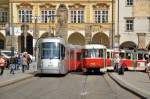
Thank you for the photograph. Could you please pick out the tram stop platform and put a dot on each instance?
(134, 81)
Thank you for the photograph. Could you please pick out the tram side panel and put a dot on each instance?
(109, 60)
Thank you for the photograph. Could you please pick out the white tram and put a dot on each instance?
(52, 58)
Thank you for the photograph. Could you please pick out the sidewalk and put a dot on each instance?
(136, 82)
(7, 78)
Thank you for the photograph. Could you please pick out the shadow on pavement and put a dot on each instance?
(87, 73)
(49, 75)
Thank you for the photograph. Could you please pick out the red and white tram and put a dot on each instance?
(141, 60)
(127, 58)
(109, 59)
(94, 57)
(74, 53)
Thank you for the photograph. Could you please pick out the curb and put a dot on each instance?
(142, 94)
(15, 80)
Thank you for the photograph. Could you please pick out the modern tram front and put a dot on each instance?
(51, 56)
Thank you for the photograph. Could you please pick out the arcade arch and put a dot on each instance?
(128, 45)
(44, 35)
(100, 38)
(29, 43)
(76, 39)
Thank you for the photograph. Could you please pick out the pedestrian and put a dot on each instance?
(116, 62)
(24, 63)
(12, 65)
(148, 68)
(2, 65)
(120, 67)
(19, 61)
(28, 61)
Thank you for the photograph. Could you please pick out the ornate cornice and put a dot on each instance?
(47, 6)
(76, 6)
(100, 6)
(25, 5)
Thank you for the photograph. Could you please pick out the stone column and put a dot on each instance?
(88, 35)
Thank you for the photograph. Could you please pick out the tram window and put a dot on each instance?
(91, 53)
(146, 56)
(108, 54)
(128, 55)
(101, 53)
(111, 55)
(140, 56)
(121, 55)
(62, 51)
(79, 56)
(50, 50)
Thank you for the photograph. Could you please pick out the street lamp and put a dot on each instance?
(24, 28)
(35, 33)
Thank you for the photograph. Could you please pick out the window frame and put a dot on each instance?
(77, 16)
(129, 2)
(129, 24)
(101, 16)
(25, 15)
(47, 15)
(3, 16)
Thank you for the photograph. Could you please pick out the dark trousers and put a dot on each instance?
(116, 67)
(2, 70)
(24, 67)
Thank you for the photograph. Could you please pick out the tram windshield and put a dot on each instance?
(140, 56)
(51, 50)
(93, 53)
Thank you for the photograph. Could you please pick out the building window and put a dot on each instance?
(47, 15)
(101, 16)
(129, 24)
(129, 2)
(25, 16)
(3, 16)
(77, 16)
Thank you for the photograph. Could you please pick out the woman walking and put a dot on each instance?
(24, 63)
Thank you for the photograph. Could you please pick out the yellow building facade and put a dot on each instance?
(78, 21)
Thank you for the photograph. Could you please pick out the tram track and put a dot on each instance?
(83, 88)
(84, 91)
(108, 83)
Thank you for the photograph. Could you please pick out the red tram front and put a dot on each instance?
(94, 57)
